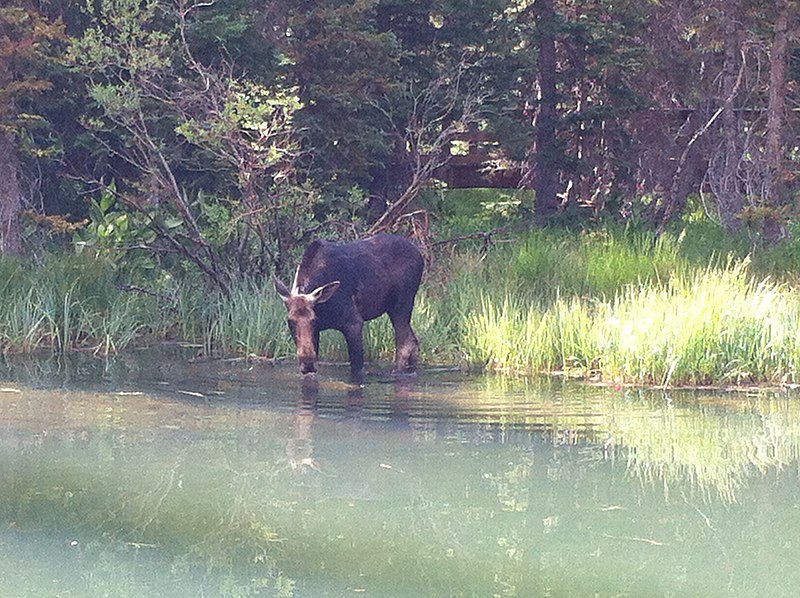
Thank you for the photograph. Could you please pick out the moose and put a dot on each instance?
(342, 285)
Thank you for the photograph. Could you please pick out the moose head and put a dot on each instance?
(302, 318)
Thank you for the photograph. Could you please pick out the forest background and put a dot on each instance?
(161, 159)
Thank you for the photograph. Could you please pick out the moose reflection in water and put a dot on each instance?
(341, 286)
(300, 443)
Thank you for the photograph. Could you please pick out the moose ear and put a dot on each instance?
(282, 289)
(325, 292)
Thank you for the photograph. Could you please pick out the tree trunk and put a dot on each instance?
(10, 196)
(727, 189)
(544, 171)
(775, 187)
(10, 191)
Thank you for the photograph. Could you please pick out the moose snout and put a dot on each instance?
(307, 365)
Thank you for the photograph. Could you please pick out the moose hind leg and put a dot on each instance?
(406, 343)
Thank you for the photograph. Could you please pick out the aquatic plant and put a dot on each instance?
(70, 302)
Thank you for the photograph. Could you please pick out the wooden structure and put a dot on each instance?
(473, 153)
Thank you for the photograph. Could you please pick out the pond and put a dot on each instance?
(155, 476)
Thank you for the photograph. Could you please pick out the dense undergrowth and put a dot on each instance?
(621, 306)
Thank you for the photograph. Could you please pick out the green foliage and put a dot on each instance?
(253, 115)
(125, 34)
(226, 99)
(222, 121)
(118, 237)
(716, 325)
(110, 228)
(208, 154)
(463, 211)
(366, 71)
(781, 259)
(550, 264)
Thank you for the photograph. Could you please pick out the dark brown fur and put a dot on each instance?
(376, 276)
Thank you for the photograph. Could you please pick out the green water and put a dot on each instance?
(153, 476)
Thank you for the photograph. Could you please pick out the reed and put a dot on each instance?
(22, 325)
(251, 321)
(112, 330)
(68, 302)
(717, 325)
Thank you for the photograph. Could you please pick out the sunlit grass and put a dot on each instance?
(716, 325)
(712, 325)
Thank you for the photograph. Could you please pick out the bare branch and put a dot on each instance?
(437, 113)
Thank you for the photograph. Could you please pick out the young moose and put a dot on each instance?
(341, 286)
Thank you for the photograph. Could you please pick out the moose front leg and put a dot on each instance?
(353, 335)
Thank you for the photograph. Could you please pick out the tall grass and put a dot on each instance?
(68, 302)
(618, 305)
(251, 321)
(710, 325)
(715, 325)
(596, 264)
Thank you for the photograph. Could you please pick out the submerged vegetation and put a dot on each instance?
(616, 306)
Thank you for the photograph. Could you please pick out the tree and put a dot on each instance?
(384, 85)
(204, 151)
(235, 130)
(578, 90)
(424, 133)
(775, 180)
(25, 47)
(340, 63)
(724, 167)
(543, 175)
(725, 135)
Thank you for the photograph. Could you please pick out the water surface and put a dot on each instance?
(155, 476)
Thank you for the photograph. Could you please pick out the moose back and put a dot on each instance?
(341, 286)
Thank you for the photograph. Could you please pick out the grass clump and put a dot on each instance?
(716, 325)
(68, 302)
(251, 321)
(594, 264)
